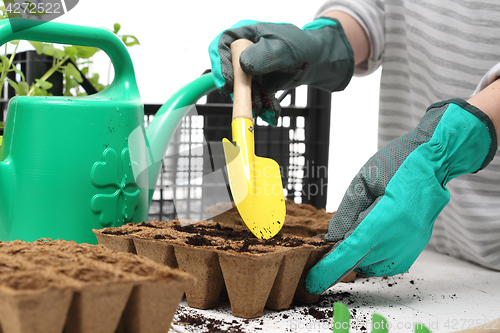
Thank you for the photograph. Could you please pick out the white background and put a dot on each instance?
(175, 35)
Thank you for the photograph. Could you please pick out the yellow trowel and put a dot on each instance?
(255, 181)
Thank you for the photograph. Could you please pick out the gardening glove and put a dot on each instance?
(284, 57)
(386, 216)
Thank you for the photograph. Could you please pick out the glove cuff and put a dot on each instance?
(321, 22)
(338, 57)
(350, 52)
(483, 117)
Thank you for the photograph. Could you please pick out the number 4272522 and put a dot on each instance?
(33, 9)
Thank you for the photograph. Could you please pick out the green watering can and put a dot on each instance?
(72, 164)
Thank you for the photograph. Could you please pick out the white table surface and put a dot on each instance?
(444, 293)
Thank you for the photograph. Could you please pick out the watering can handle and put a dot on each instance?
(53, 32)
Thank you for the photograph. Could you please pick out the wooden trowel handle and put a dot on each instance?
(242, 95)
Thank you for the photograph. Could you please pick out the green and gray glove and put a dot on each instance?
(283, 57)
(386, 216)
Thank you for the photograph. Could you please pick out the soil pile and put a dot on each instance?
(84, 288)
(301, 219)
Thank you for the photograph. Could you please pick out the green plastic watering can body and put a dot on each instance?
(72, 164)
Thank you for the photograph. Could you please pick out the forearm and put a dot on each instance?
(355, 33)
(488, 101)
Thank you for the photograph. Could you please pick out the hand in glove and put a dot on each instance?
(386, 216)
(283, 57)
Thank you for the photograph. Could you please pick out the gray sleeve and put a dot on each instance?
(370, 15)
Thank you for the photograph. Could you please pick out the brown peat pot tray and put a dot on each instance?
(56, 286)
(301, 220)
(255, 273)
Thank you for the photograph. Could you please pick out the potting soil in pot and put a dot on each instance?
(254, 272)
(300, 220)
(56, 286)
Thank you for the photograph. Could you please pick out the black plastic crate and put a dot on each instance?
(299, 144)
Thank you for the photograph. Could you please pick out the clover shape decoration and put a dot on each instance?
(114, 173)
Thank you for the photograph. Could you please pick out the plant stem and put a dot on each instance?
(6, 71)
(48, 74)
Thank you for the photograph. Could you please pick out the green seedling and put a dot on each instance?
(71, 61)
(342, 317)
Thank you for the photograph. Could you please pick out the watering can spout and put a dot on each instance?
(159, 132)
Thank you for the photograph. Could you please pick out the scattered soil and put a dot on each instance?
(299, 313)
(207, 324)
(320, 313)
